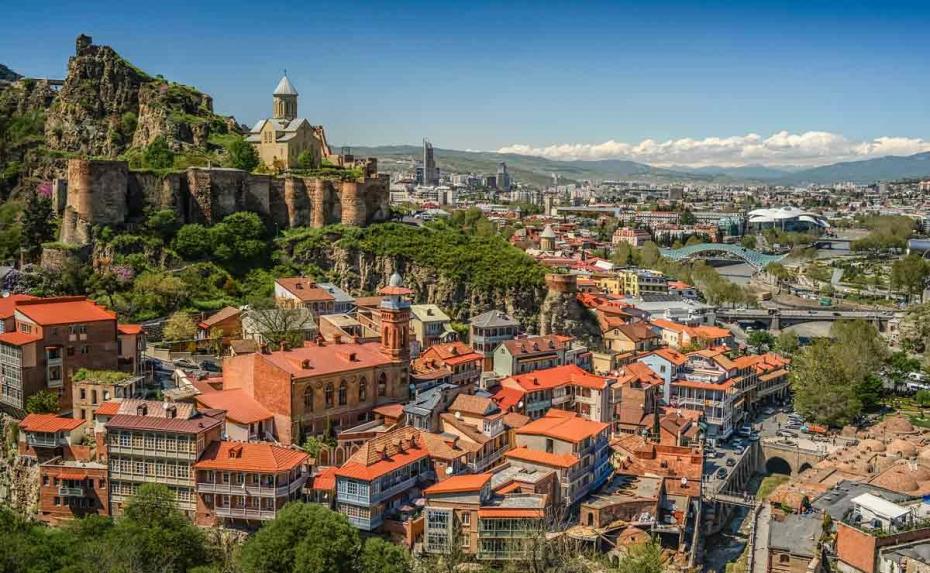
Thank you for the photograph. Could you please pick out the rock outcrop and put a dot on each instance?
(561, 313)
(107, 106)
(8, 75)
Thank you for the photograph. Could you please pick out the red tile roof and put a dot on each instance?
(219, 316)
(63, 310)
(129, 328)
(8, 304)
(239, 406)
(49, 423)
(18, 338)
(325, 480)
(110, 408)
(194, 425)
(459, 484)
(385, 453)
(304, 289)
(250, 456)
(326, 358)
(570, 374)
(451, 354)
(507, 397)
(537, 457)
(566, 426)
(395, 410)
(536, 344)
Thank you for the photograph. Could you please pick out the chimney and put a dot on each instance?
(171, 411)
(142, 410)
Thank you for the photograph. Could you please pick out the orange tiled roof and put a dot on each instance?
(219, 316)
(452, 353)
(325, 480)
(570, 374)
(561, 425)
(508, 397)
(8, 303)
(110, 408)
(326, 358)
(250, 456)
(671, 355)
(239, 406)
(535, 456)
(536, 344)
(17, 338)
(459, 484)
(471, 404)
(129, 328)
(63, 310)
(304, 289)
(49, 423)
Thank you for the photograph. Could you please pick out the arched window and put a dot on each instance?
(362, 390)
(382, 385)
(308, 399)
(342, 393)
(329, 395)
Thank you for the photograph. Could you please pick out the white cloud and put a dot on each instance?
(782, 148)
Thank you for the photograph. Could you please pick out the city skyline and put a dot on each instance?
(676, 84)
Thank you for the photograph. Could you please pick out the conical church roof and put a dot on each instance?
(285, 87)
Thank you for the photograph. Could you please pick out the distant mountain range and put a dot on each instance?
(539, 170)
(8, 74)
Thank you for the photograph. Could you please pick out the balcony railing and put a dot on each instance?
(149, 451)
(65, 491)
(245, 512)
(394, 489)
(366, 523)
(42, 441)
(479, 465)
(251, 489)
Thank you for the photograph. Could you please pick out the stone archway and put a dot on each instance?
(804, 467)
(778, 465)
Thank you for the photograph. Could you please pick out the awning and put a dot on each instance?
(75, 475)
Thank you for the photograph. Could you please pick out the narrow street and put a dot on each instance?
(761, 542)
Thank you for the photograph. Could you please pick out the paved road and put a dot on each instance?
(760, 547)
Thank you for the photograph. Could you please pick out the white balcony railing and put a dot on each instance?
(65, 491)
(245, 512)
(252, 490)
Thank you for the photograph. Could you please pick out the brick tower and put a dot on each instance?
(395, 319)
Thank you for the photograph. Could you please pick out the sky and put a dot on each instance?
(665, 83)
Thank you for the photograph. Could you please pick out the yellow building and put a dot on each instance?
(281, 139)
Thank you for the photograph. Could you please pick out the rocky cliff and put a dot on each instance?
(107, 106)
(6, 74)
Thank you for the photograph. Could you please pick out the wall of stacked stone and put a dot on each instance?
(97, 190)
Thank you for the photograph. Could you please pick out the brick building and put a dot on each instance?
(70, 488)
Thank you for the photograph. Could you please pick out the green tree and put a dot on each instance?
(649, 255)
(305, 160)
(157, 154)
(180, 326)
(622, 255)
(163, 223)
(154, 536)
(193, 242)
(642, 558)
(42, 402)
(242, 154)
(36, 224)
(305, 538)
(824, 389)
(687, 218)
(860, 347)
(380, 556)
(760, 338)
(748, 241)
(910, 274)
(693, 240)
(922, 397)
(870, 391)
(10, 230)
(787, 343)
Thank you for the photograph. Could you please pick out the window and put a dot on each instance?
(85, 349)
(342, 393)
(362, 390)
(308, 399)
(329, 395)
(549, 445)
(382, 385)
(784, 558)
(70, 351)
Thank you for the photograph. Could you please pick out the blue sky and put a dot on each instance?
(560, 79)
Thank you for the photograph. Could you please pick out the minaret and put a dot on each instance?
(285, 100)
(395, 319)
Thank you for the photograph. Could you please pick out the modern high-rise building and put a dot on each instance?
(430, 171)
(503, 178)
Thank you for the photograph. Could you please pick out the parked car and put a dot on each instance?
(786, 433)
(768, 411)
(730, 462)
(185, 363)
(754, 437)
(721, 473)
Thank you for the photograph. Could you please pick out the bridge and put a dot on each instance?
(776, 319)
(793, 457)
(755, 259)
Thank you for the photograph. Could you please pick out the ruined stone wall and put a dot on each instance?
(107, 193)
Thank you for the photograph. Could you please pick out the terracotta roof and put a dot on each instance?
(129, 328)
(451, 354)
(110, 408)
(510, 512)
(636, 331)
(507, 397)
(243, 346)
(368, 301)
(304, 289)
(326, 358)
(566, 426)
(219, 316)
(671, 355)
(156, 418)
(17, 338)
(8, 303)
(49, 423)
(459, 484)
(535, 456)
(385, 453)
(471, 404)
(250, 456)
(325, 480)
(395, 410)
(63, 310)
(570, 374)
(515, 420)
(536, 344)
(239, 406)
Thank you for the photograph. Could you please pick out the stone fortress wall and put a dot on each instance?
(106, 192)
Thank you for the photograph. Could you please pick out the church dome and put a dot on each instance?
(396, 280)
(285, 87)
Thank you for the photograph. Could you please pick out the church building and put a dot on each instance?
(281, 139)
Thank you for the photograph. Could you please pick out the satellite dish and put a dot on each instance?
(458, 415)
(519, 404)
(448, 470)
(684, 481)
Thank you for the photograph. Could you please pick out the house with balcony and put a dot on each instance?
(241, 483)
(424, 409)
(246, 419)
(48, 340)
(479, 424)
(46, 436)
(430, 325)
(488, 330)
(629, 337)
(667, 364)
(149, 441)
(575, 447)
(71, 488)
(566, 387)
(382, 476)
(302, 292)
(523, 355)
(462, 363)
(682, 336)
